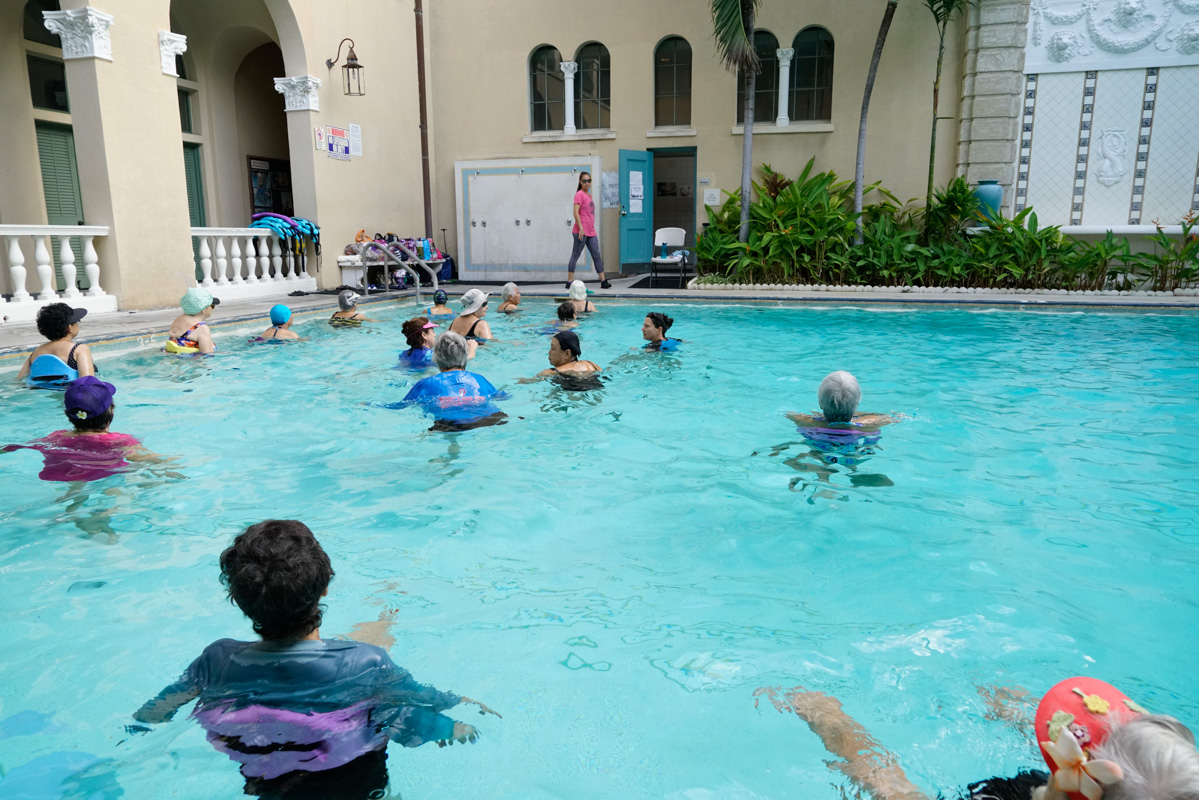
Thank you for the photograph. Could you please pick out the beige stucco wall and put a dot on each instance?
(22, 201)
(129, 144)
(480, 97)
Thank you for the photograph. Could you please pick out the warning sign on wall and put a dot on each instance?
(338, 142)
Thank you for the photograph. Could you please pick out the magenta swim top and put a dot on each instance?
(81, 457)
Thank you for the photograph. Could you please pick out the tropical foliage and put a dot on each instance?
(802, 232)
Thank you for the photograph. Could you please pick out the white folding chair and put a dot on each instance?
(673, 238)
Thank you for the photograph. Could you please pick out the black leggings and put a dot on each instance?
(364, 777)
(592, 244)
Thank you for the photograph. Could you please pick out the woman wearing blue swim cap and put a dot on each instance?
(439, 309)
(280, 330)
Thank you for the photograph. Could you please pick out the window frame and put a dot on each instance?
(674, 66)
(822, 96)
(602, 79)
(545, 104)
(770, 67)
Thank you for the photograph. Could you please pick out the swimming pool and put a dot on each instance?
(617, 571)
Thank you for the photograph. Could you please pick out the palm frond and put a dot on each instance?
(945, 10)
(734, 44)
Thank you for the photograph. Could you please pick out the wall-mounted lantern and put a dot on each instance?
(351, 72)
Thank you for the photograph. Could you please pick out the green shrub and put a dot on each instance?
(801, 231)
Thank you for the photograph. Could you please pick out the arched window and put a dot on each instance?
(593, 87)
(547, 92)
(766, 90)
(812, 75)
(672, 82)
(35, 29)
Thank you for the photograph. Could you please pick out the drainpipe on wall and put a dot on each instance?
(424, 116)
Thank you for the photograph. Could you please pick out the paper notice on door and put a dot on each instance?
(355, 140)
(636, 188)
(635, 205)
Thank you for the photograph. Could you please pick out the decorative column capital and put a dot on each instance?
(84, 32)
(300, 93)
(785, 55)
(569, 68)
(169, 46)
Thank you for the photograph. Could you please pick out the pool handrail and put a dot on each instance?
(390, 256)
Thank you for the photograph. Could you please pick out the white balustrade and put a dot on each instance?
(19, 237)
(248, 262)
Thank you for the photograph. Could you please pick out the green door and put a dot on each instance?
(60, 182)
(195, 196)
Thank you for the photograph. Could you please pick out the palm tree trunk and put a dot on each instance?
(860, 168)
(932, 147)
(747, 139)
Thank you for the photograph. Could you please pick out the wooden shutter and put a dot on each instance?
(60, 183)
(195, 196)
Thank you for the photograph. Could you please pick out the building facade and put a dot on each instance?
(162, 126)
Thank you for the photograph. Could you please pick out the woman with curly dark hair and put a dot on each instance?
(61, 360)
(654, 329)
(304, 716)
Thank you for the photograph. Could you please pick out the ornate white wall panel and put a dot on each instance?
(1075, 35)
(1054, 151)
(1170, 172)
(1111, 164)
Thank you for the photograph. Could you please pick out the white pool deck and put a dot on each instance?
(124, 330)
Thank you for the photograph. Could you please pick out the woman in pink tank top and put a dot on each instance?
(583, 233)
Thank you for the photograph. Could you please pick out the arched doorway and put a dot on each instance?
(262, 133)
(237, 151)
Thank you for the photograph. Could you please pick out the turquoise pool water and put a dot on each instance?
(617, 571)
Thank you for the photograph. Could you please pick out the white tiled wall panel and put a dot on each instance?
(1118, 96)
(1157, 111)
(1170, 172)
(1055, 146)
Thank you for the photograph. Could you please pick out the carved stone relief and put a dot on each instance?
(1078, 35)
(1112, 151)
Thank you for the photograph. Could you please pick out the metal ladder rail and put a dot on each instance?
(389, 257)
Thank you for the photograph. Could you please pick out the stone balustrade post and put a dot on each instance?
(45, 269)
(276, 259)
(251, 261)
(222, 263)
(264, 256)
(235, 257)
(16, 270)
(66, 257)
(205, 261)
(91, 267)
(291, 262)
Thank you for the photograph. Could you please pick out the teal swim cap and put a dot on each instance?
(280, 314)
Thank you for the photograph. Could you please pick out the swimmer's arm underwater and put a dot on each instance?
(168, 701)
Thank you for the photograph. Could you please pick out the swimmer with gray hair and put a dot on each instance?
(838, 396)
(510, 295)
(347, 314)
(1097, 743)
